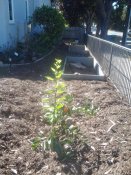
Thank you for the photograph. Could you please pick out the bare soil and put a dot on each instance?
(108, 149)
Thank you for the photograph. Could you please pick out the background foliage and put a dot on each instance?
(102, 12)
(53, 25)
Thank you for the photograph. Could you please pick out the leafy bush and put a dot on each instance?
(53, 25)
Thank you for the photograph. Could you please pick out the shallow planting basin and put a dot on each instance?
(78, 49)
(82, 68)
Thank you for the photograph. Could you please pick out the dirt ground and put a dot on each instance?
(108, 133)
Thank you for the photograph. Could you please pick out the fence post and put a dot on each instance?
(110, 60)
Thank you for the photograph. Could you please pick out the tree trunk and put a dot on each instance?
(88, 20)
(98, 30)
(127, 23)
(103, 11)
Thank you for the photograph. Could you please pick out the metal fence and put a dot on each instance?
(115, 61)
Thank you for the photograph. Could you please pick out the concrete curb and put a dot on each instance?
(90, 62)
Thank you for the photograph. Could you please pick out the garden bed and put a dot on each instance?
(82, 68)
(108, 148)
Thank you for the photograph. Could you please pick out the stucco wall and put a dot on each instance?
(39, 3)
(15, 31)
(20, 18)
(3, 25)
(10, 33)
(47, 2)
(31, 7)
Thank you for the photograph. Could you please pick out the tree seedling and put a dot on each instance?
(56, 107)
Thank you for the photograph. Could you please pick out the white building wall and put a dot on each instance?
(20, 15)
(47, 2)
(11, 33)
(39, 3)
(3, 25)
(31, 7)
(16, 30)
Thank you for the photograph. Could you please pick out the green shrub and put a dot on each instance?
(53, 23)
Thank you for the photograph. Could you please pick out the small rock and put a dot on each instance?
(69, 121)
(66, 146)
(104, 144)
(107, 172)
(29, 172)
(110, 161)
(115, 152)
(14, 171)
(65, 168)
(58, 174)
(19, 158)
(46, 167)
(93, 148)
(78, 65)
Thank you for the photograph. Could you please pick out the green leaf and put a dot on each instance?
(53, 69)
(61, 99)
(59, 106)
(46, 145)
(58, 76)
(69, 98)
(45, 100)
(35, 143)
(49, 113)
(50, 91)
(58, 61)
(60, 91)
(49, 78)
(58, 67)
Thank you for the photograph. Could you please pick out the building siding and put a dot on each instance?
(13, 32)
(3, 26)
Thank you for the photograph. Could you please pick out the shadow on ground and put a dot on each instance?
(35, 71)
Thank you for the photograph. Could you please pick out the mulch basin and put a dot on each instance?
(82, 68)
(108, 150)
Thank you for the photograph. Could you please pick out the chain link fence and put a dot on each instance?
(115, 61)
